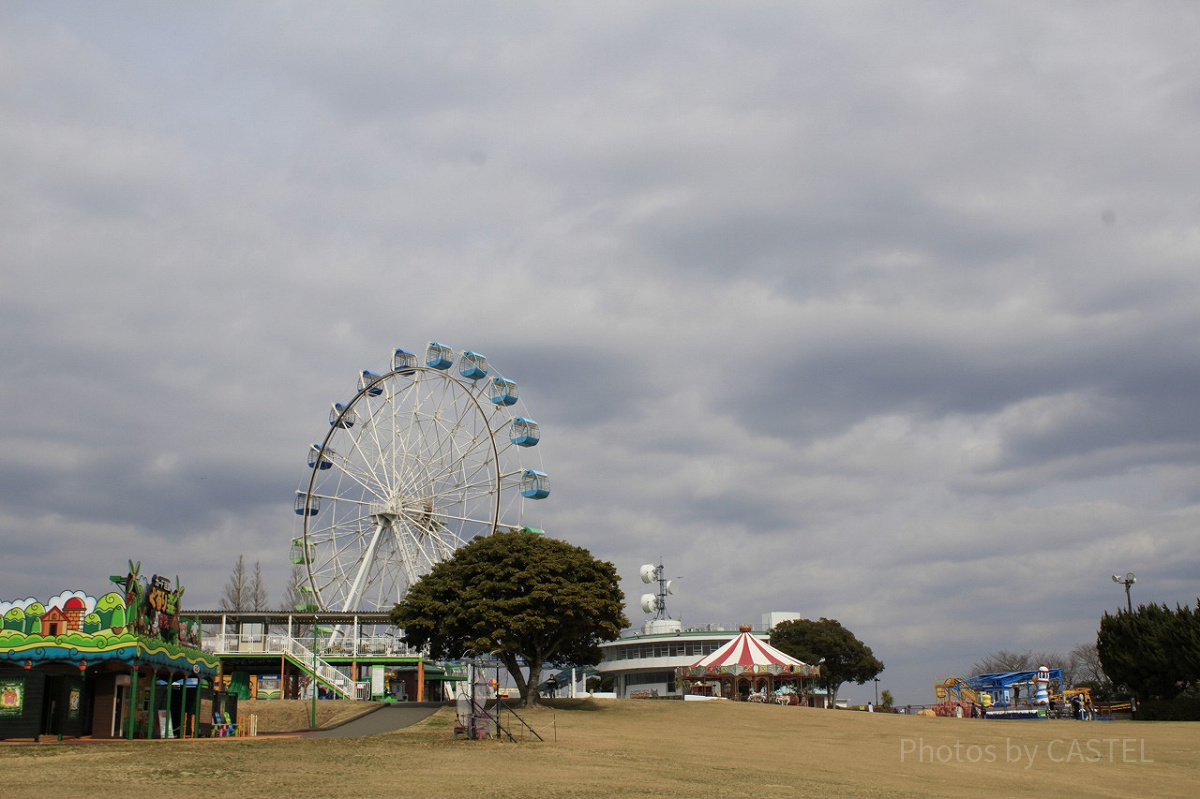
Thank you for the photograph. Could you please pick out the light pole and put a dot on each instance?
(314, 675)
(1126, 581)
(876, 692)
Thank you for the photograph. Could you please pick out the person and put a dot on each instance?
(1077, 708)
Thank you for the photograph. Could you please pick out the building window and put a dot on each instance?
(651, 678)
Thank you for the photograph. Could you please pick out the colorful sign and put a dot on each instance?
(138, 623)
(73, 703)
(12, 697)
(270, 686)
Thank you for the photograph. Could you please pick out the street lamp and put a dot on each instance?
(314, 675)
(1126, 581)
(876, 692)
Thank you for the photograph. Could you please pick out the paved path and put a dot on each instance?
(388, 718)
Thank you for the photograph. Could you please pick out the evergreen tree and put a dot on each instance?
(1153, 651)
(524, 598)
(841, 656)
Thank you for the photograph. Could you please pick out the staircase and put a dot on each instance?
(332, 678)
(295, 651)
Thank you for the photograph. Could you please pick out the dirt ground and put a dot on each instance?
(633, 748)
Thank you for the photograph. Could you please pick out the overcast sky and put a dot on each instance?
(880, 312)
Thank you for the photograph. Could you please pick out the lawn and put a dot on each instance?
(644, 749)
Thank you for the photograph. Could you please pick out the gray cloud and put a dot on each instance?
(881, 314)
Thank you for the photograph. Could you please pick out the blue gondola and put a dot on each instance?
(369, 381)
(320, 458)
(438, 356)
(535, 484)
(341, 416)
(403, 362)
(503, 392)
(309, 507)
(524, 432)
(472, 365)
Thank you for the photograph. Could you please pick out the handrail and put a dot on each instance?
(276, 644)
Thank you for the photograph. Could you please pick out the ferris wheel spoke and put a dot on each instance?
(423, 464)
(368, 471)
(379, 435)
(406, 548)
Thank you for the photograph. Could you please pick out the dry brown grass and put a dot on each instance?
(291, 716)
(645, 748)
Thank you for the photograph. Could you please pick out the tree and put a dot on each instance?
(15, 620)
(886, 699)
(524, 598)
(107, 607)
(294, 600)
(1153, 651)
(258, 589)
(842, 657)
(237, 590)
(33, 618)
(600, 683)
(1003, 660)
(1088, 672)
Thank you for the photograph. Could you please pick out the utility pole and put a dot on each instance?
(1128, 580)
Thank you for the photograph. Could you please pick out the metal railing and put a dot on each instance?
(364, 646)
(282, 644)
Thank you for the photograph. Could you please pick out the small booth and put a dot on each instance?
(123, 665)
(747, 669)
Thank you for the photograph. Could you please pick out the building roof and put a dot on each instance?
(748, 655)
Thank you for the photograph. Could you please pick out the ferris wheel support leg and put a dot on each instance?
(354, 595)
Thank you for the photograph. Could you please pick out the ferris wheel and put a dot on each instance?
(423, 457)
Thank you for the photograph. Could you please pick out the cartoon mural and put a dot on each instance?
(145, 609)
(74, 653)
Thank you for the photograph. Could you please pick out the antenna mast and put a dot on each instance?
(656, 603)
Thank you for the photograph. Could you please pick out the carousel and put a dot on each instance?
(747, 669)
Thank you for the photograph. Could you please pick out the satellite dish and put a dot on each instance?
(647, 572)
(670, 586)
(649, 603)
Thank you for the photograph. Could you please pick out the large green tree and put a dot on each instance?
(842, 657)
(525, 598)
(1153, 651)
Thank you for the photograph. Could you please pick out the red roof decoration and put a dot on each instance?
(748, 655)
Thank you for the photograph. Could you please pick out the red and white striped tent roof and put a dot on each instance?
(748, 655)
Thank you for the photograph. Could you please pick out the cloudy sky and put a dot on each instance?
(880, 312)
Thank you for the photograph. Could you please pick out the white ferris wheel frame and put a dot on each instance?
(419, 462)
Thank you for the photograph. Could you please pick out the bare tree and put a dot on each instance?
(258, 590)
(237, 591)
(1086, 666)
(294, 600)
(293, 597)
(1003, 660)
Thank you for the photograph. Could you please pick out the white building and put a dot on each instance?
(643, 663)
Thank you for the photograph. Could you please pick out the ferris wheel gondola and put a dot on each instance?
(423, 458)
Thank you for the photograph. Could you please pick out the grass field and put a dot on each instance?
(643, 749)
